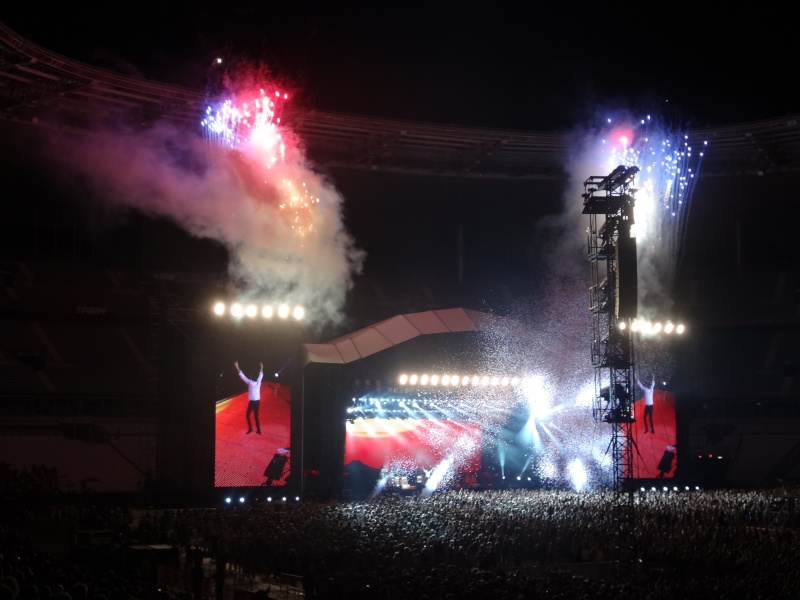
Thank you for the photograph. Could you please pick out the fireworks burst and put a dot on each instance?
(252, 128)
(300, 203)
(668, 172)
(250, 122)
(669, 168)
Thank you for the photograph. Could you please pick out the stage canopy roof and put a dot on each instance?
(396, 330)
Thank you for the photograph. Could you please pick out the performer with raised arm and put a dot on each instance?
(648, 403)
(254, 395)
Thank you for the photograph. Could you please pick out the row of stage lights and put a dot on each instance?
(674, 488)
(267, 311)
(654, 327)
(230, 501)
(425, 379)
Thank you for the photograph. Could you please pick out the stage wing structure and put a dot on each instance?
(398, 329)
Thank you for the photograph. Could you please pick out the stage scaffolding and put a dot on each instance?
(609, 202)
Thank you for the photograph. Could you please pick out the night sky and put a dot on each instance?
(545, 68)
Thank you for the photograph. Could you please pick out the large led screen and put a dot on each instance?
(655, 453)
(534, 446)
(244, 457)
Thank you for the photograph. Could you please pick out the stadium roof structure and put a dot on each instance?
(41, 88)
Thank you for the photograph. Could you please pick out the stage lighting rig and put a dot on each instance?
(610, 194)
(253, 310)
(456, 380)
(654, 328)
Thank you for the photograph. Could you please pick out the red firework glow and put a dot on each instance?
(621, 136)
(250, 124)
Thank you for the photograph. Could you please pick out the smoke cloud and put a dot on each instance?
(281, 224)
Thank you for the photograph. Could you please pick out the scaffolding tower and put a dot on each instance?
(609, 202)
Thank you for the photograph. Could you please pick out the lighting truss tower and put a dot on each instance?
(609, 202)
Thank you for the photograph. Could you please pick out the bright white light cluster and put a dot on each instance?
(454, 380)
(237, 310)
(654, 327)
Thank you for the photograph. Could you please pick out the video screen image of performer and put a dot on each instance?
(254, 395)
(648, 404)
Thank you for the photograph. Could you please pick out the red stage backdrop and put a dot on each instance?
(244, 460)
(405, 444)
(655, 454)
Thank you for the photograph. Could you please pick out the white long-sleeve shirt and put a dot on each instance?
(254, 387)
(648, 392)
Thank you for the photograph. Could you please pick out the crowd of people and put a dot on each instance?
(503, 544)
